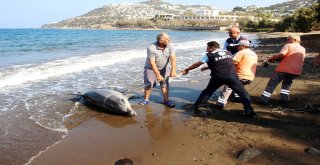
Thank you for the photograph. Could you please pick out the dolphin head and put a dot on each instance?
(131, 112)
(119, 103)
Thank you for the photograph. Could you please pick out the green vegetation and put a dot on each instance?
(318, 10)
(294, 15)
(304, 19)
(173, 23)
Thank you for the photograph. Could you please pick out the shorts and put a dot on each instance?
(150, 77)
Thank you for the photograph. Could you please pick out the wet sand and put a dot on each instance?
(159, 135)
(106, 138)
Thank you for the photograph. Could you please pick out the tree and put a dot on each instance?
(243, 21)
(304, 19)
(317, 10)
(238, 8)
(144, 23)
(252, 24)
(264, 15)
(265, 23)
(285, 25)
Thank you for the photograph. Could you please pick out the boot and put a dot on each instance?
(284, 98)
(263, 100)
(219, 105)
(248, 112)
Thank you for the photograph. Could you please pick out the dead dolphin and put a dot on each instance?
(110, 100)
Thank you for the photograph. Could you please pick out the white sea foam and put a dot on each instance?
(43, 115)
(197, 44)
(21, 75)
(178, 79)
(34, 157)
(17, 75)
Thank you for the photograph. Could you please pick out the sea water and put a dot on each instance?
(39, 68)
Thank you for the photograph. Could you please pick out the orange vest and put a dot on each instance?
(247, 64)
(292, 61)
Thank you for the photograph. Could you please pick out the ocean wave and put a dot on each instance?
(19, 75)
(197, 43)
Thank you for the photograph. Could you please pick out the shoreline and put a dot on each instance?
(177, 137)
(180, 28)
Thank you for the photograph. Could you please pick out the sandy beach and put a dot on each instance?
(159, 135)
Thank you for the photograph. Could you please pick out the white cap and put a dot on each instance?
(243, 43)
(295, 37)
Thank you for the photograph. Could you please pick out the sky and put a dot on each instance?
(35, 13)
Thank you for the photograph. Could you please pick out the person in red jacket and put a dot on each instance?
(291, 59)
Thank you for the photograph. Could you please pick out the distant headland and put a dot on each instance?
(156, 14)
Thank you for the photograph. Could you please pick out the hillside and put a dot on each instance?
(107, 16)
(276, 10)
(289, 7)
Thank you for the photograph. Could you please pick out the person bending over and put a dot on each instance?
(222, 73)
(245, 61)
(290, 67)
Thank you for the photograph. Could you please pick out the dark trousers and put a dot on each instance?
(227, 91)
(233, 82)
(277, 77)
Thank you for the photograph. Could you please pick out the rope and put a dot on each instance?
(304, 109)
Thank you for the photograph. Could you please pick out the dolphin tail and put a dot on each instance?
(77, 96)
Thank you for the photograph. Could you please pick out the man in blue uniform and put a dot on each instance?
(235, 37)
(222, 73)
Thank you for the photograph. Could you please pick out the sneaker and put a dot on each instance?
(198, 112)
(145, 102)
(169, 104)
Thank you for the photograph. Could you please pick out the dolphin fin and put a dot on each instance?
(130, 96)
(89, 98)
